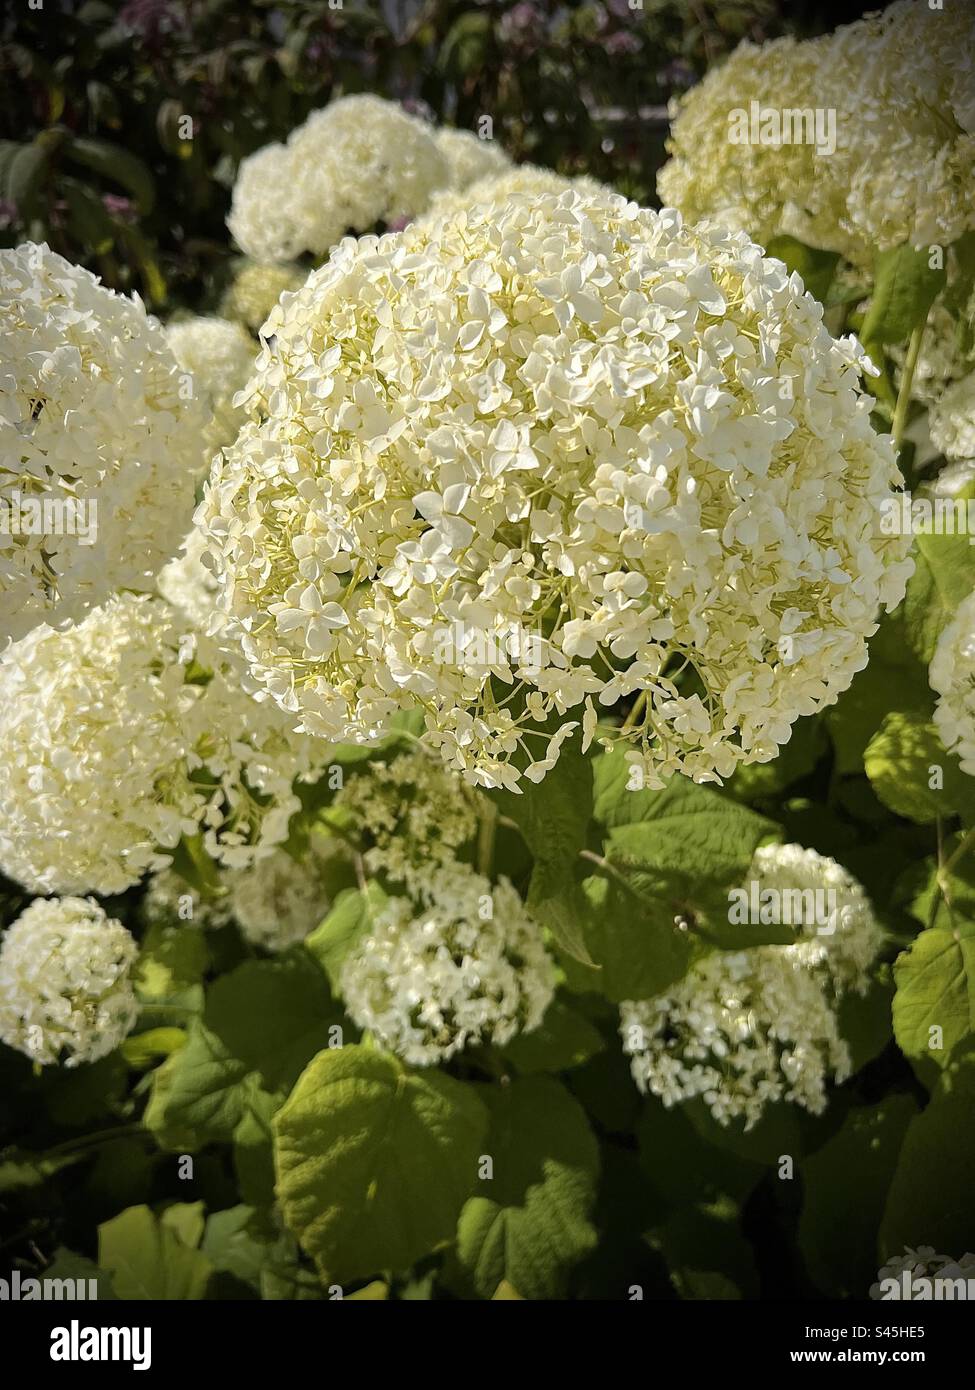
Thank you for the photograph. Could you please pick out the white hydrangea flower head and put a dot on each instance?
(91, 417)
(357, 162)
(126, 732)
(565, 445)
(412, 813)
(516, 180)
(218, 356)
(255, 290)
(278, 900)
(169, 898)
(430, 982)
(746, 1029)
(189, 585)
(900, 86)
(952, 676)
(65, 989)
(951, 420)
(838, 934)
(469, 157)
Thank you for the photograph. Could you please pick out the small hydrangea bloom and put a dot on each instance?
(747, 1029)
(169, 899)
(255, 290)
(433, 981)
(565, 448)
(278, 900)
(469, 158)
(899, 86)
(93, 428)
(413, 814)
(358, 161)
(126, 732)
(218, 356)
(952, 677)
(951, 420)
(65, 989)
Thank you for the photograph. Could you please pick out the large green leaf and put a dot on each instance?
(935, 981)
(351, 916)
(553, 817)
(563, 1039)
(374, 1162)
(930, 1198)
(533, 1222)
(844, 1189)
(904, 288)
(944, 575)
(149, 1257)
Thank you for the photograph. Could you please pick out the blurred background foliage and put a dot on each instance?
(124, 124)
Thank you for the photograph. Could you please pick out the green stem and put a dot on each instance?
(485, 838)
(899, 423)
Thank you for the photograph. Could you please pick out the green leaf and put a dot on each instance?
(707, 1254)
(944, 575)
(352, 915)
(904, 288)
(25, 176)
(930, 1198)
(633, 940)
(69, 1265)
(904, 757)
(374, 1162)
(169, 971)
(148, 1258)
(817, 268)
(116, 164)
(935, 980)
(563, 1039)
(20, 1170)
(553, 816)
(844, 1190)
(533, 1222)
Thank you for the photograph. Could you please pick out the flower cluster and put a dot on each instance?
(952, 677)
(951, 420)
(469, 967)
(169, 899)
(413, 814)
(218, 355)
(522, 180)
(65, 991)
(357, 162)
(84, 806)
(749, 1028)
(899, 86)
(278, 900)
(255, 290)
(189, 585)
(536, 457)
(98, 451)
(469, 158)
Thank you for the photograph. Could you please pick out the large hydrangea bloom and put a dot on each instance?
(952, 676)
(433, 981)
(530, 459)
(65, 988)
(121, 735)
(496, 186)
(358, 161)
(746, 1029)
(900, 86)
(90, 413)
